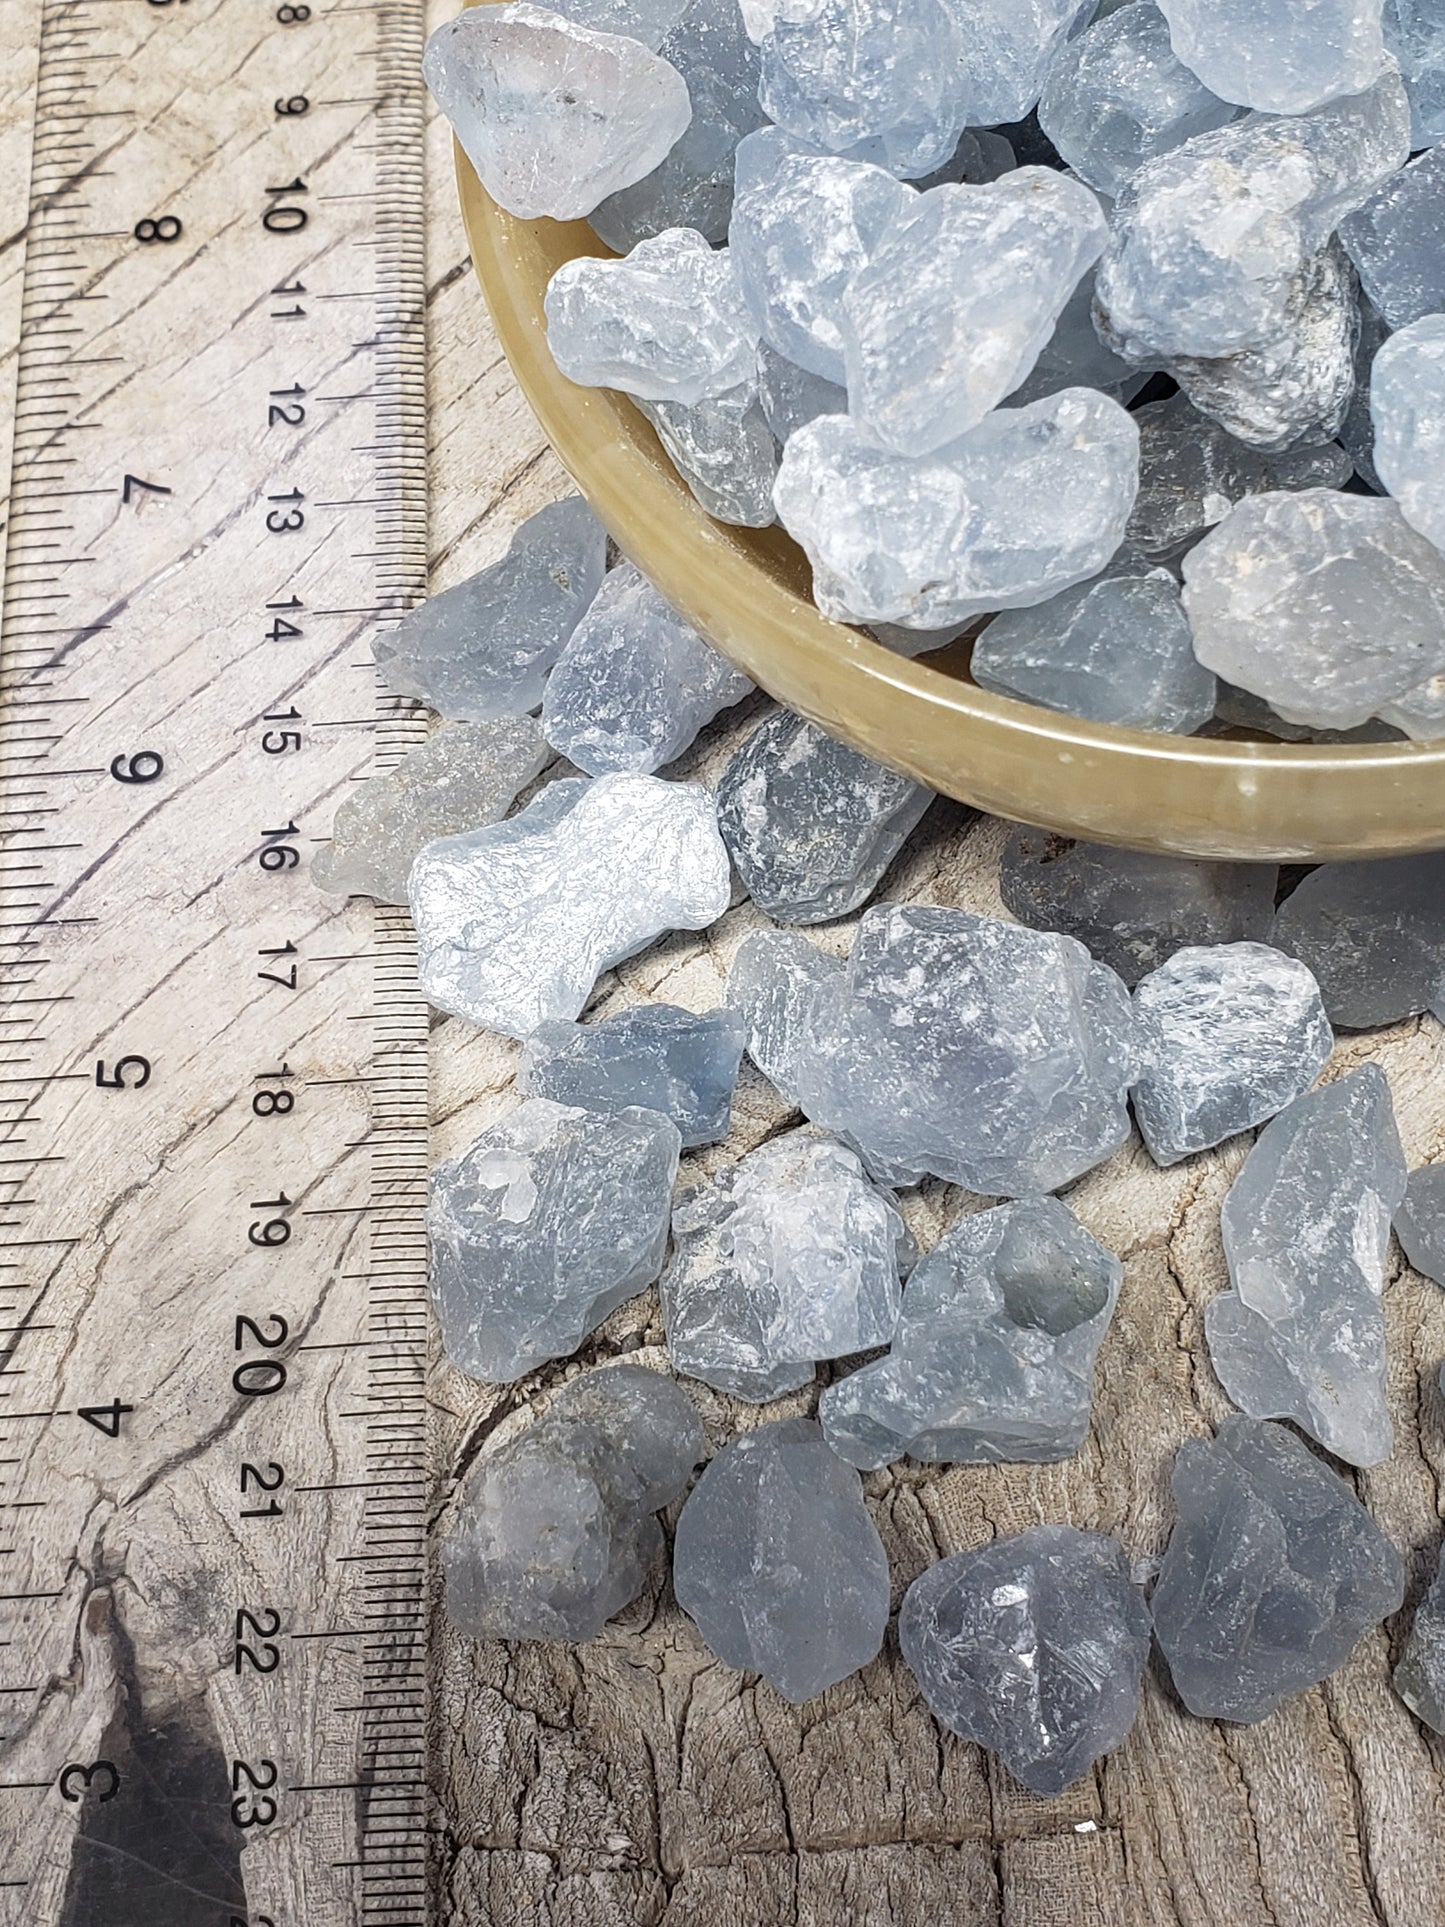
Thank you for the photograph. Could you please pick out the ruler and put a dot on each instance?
(214, 1464)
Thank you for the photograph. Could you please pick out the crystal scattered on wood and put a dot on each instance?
(993, 1358)
(1033, 1646)
(462, 776)
(1415, 35)
(1419, 1677)
(656, 1057)
(1374, 936)
(810, 823)
(482, 650)
(546, 1223)
(774, 979)
(516, 922)
(556, 1530)
(1306, 1229)
(1420, 1222)
(1273, 1574)
(1228, 1035)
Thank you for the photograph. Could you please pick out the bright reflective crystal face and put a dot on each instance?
(679, 1062)
(550, 1220)
(516, 922)
(1374, 936)
(778, 1564)
(1306, 1231)
(482, 650)
(1034, 1647)
(1276, 55)
(1273, 1574)
(994, 1354)
(990, 1055)
(554, 116)
(556, 1530)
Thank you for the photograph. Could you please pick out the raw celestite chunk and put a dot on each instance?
(1074, 356)
(1118, 94)
(789, 396)
(1420, 1221)
(1397, 241)
(994, 1354)
(778, 1564)
(1228, 1035)
(1276, 54)
(462, 776)
(557, 1530)
(791, 1255)
(1419, 1678)
(1415, 35)
(1032, 500)
(1326, 605)
(1407, 400)
(1133, 909)
(1034, 1646)
(482, 649)
(724, 450)
(1273, 1573)
(667, 323)
(803, 224)
(1374, 936)
(885, 76)
(810, 823)
(649, 21)
(553, 116)
(635, 683)
(953, 309)
(516, 922)
(1306, 1229)
(656, 1057)
(1117, 649)
(549, 1221)
(1357, 431)
(992, 1056)
(1192, 471)
(774, 979)
(1009, 46)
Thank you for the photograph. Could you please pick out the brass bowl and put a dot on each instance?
(747, 590)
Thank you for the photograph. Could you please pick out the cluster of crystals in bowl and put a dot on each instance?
(1001, 1056)
(892, 272)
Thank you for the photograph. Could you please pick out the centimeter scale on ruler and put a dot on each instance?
(213, 1336)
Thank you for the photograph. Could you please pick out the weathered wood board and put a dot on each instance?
(635, 1782)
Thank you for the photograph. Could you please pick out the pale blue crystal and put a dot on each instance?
(1397, 242)
(1278, 56)
(1415, 35)
(1420, 1221)
(1008, 49)
(724, 450)
(1407, 402)
(790, 397)
(655, 1057)
(774, 979)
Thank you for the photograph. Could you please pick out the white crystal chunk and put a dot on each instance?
(1279, 55)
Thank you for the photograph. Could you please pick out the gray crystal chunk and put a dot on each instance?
(658, 1057)
(1420, 1222)
(790, 397)
(1273, 1574)
(1278, 56)
(1132, 909)
(810, 823)
(1117, 649)
(462, 776)
(1374, 936)
(1419, 1678)
(883, 75)
(994, 1354)
(516, 922)
(992, 1056)
(482, 649)
(953, 309)
(1032, 500)
(553, 116)
(1228, 1035)
(1192, 472)
(556, 1530)
(1118, 94)
(693, 184)
(778, 1564)
(1407, 401)
(1397, 242)
(724, 450)
(1326, 605)
(1415, 35)
(545, 1224)
(1009, 47)
(1075, 356)
(791, 1255)
(1306, 1230)
(635, 683)
(666, 323)
(803, 224)
(771, 986)
(1357, 431)
(1034, 1647)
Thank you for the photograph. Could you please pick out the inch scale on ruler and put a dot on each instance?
(214, 1465)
